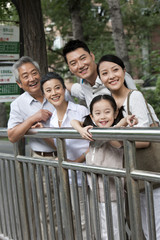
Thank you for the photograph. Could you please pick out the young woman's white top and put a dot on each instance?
(137, 106)
(74, 147)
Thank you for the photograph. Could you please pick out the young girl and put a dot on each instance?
(104, 114)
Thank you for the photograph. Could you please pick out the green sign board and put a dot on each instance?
(9, 89)
(9, 42)
(9, 48)
(9, 51)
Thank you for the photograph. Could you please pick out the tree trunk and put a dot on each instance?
(32, 28)
(145, 55)
(74, 9)
(118, 32)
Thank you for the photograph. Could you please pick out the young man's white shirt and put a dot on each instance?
(85, 91)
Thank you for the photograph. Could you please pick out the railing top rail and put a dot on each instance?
(3, 132)
(141, 134)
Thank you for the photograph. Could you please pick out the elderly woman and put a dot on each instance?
(53, 87)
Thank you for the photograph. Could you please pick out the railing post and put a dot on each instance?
(65, 190)
(21, 194)
(19, 147)
(132, 192)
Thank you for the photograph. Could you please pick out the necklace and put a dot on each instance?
(60, 120)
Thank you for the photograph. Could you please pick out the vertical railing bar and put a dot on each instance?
(40, 180)
(120, 208)
(133, 191)
(19, 148)
(3, 216)
(86, 206)
(56, 189)
(10, 200)
(5, 197)
(35, 200)
(21, 199)
(96, 207)
(150, 211)
(66, 199)
(0, 214)
(108, 208)
(15, 199)
(77, 212)
(48, 191)
(29, 202)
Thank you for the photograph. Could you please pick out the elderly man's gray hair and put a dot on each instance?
(19, 63)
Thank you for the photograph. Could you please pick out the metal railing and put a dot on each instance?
(35, 199)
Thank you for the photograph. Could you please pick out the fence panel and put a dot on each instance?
(36, 193)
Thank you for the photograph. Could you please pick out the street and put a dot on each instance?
(7, 147)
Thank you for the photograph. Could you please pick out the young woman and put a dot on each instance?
(104, 114)
(111, 71)
(54, 91)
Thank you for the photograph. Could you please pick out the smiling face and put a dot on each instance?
(29, 79)
(82, 64)
(112, 75)
(103, 114)
(54, 92)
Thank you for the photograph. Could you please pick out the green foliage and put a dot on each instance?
(94, 20)
(140, 19)
(150, 79)
(157, 98)
(58, 12)
(140, 15)
(8, 12)
(155, 60)
(96, 31)
(153, 97)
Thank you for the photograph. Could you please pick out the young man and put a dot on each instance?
(81, 63)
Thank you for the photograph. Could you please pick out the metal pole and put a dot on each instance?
(133, 192)
(64, 186)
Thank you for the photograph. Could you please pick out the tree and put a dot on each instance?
(97, 33)
(93, 21)
(32, 31)
(6, 15)
(74, 9)
(141, 19)
(118, 32)
(32, 37)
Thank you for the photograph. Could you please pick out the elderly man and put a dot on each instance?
(28, 109)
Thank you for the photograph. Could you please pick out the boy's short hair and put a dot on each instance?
(73, 45)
